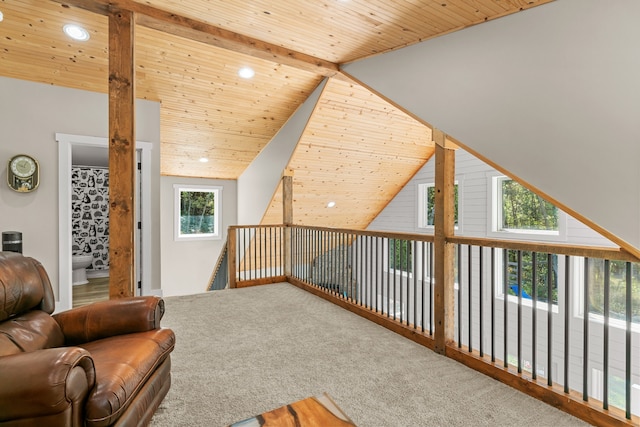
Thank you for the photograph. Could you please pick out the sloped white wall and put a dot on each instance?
(258, 182)
(551, 95)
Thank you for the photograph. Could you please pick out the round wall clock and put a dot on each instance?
(23, 173)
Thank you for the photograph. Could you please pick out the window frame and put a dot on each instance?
(217, 225)
(577, 274)
(494, 212)
(540, 305)
(423, 205)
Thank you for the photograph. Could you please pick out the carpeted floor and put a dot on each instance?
(245, 351)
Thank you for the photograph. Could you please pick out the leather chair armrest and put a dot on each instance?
(110, 318)
(44, 382)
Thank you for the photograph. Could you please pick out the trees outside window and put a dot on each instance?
(521, 209)
(545, 267)
(197, 212)
(617, 289)
(427, 201)
(400, 255)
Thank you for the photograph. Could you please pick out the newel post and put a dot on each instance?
(287, 218)
(444, 223)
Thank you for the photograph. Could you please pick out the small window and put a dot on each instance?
(197, 212)
(427, 201)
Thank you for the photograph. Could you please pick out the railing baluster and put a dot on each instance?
(431, 311)
(534, 315)
(585, 332)
(481, 298)
(567, 301)
(424, 278)
(627, 375)
(243, 252)
(520, 286)
(470, 295)
(505, 291)
(414, 270)
(605, 344)
(493, 305)
(459, 277)
(549, 320)
(387, 254)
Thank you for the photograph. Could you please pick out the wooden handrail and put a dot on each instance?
(554, 248)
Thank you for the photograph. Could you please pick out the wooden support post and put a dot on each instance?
(121, 154)
(231, 256)
(444, 223)
(287, 218)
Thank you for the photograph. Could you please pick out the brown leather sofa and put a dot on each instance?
(99, 365)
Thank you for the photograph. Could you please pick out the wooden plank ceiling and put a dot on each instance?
(357, 150)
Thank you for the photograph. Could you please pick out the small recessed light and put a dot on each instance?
(1, 16)
(203, 160)
(246, 72)
(331, 204)
(76, 32)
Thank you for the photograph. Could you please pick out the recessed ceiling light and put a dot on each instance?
(203, 160)
(76, 32)
(246, 72)
(1, 16)
(331, 204)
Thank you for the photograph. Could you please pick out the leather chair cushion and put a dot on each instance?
(30, 331)
(123, 365)
(24, 285)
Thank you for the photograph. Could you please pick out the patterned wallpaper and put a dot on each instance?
(90, 214)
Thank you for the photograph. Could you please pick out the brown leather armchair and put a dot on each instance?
(99, 365)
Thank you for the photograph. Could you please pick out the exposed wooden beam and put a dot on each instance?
(182, 26)
(444, 223)
(121, 154)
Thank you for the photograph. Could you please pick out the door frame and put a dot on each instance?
(66, 142)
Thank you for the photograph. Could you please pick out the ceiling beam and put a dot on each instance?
(192, 29)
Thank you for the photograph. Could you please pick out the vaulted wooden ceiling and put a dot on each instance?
(357, 149)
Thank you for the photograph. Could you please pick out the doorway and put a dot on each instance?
(66, 146)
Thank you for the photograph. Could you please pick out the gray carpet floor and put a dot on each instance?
(242, 352)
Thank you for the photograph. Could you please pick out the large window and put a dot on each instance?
(596, 274)
(197, 212)
(517, 210)
(427, 202)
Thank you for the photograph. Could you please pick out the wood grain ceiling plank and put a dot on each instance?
(195, 29)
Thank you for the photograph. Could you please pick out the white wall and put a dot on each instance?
(260, 180)
(30, 116)
(550, 94)
(187, 264)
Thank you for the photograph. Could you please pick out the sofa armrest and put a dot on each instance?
(110, 318)
(45, 382)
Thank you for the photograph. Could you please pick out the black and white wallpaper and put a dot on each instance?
(90, 214)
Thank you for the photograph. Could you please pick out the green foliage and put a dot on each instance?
(197, 210)
(617, 289)
(524, 210)
(542, 275)
(431, 203)
(400, 255)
